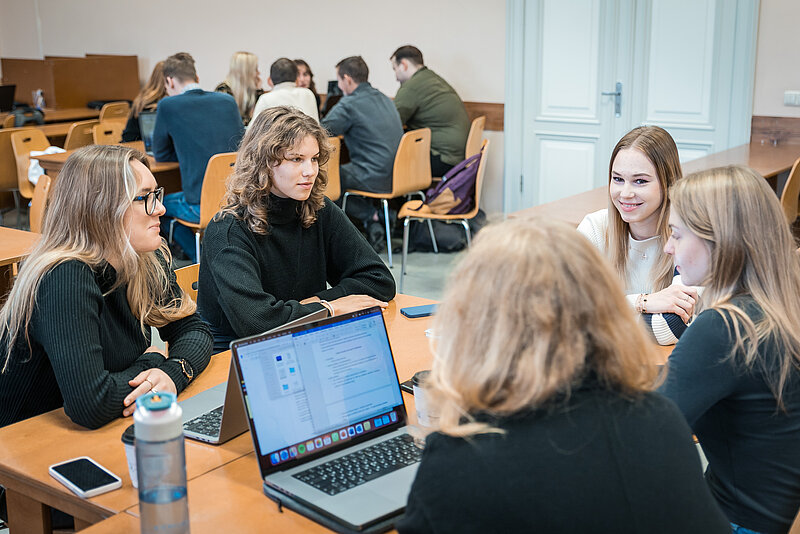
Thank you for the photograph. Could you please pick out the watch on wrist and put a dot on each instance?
(188, 372)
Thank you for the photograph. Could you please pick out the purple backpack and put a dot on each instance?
(455, 194)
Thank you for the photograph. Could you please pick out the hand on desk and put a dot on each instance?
(350, 303)
(144, 382)
(677, 299)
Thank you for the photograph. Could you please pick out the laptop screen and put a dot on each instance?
(147, 123)
(319, 387)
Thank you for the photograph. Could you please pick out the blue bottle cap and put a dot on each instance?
(156, 401)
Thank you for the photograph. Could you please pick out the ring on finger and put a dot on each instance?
(151, 384)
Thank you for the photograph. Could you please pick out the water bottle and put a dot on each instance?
(161, 464)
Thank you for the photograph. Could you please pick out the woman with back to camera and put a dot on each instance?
(243, 83)
(75, 329)
(278, 242)
(632, 231)
(305, 78)
(734, 373)
(543, 382)
(146, 100)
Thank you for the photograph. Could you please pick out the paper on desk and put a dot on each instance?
(34, 169)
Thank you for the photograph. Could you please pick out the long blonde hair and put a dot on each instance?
(153, 91)
(241, 79)
(752, 253)
(659, 147)
(523, 321)
(84, 221)
(274, 132)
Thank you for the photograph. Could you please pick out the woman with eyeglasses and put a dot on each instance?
(75, 328)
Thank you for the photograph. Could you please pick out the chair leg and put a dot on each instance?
(344, 201)
(197, 245)
(433, 237)
(388, 233)
(406, 221)
(465, 224)
(17, 205)
(171, 229)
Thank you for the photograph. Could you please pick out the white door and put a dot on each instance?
(685, 65)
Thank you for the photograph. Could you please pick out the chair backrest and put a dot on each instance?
(80, 134)
(187, 279)
(22, 142)
(217, 171)
(475, 136)
(9, 180)
(791, 192)
(8, 122)
(412, 163)
(115, 111)
(107, 133)
(479, 180)
(39, 203)
(334, 189)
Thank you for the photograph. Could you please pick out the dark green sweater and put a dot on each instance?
(86, 346)
(251, 283)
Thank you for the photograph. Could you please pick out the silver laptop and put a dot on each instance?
(217, 414)
(328, 420)
(147, 124)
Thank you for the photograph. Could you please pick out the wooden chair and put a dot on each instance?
(411, 175)
(475, 137)
(107, 133)
(9, 182)
(791, 193)
(334, 189)
(217, 171)
(408, 212)
(115, 111)
(187, 279)
(80, 134)
(8, 122)
(39, 203)
(22, 142)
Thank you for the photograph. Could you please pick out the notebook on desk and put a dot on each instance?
(217, 414)
(328, 421)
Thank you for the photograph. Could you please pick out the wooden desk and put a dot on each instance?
(64, 115)
(27, 448)
(768, 160)
(14, 246)
(167, 173)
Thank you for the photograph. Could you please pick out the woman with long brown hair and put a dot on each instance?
(147, 100)
(75, 329)
(271, 252)
(543, 382)
(735, 373)
(632, 231)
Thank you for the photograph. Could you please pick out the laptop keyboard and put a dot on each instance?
(362, 466)
(208, 423)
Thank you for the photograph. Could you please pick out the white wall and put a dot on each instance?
(777, 58)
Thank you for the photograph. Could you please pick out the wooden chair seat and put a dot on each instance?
(416, 209)
(188, 224)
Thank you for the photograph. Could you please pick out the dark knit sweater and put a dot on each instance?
(600, 464)
(251, 283)
(86, 346)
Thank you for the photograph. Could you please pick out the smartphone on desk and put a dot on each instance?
(413, 312)
(85, 477)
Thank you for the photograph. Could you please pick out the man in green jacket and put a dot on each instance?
(425, 100)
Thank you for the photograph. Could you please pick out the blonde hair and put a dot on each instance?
(659, 147)
(153, 91)
(274, 132)
(524, 321)
(242, 81)
(84, 221)
(752, 253)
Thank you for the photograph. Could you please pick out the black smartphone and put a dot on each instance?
(85, 477)
(413, 312)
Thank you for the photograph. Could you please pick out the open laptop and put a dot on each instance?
(7, 97)
(328, 420)
(147, 124)
(217, 414)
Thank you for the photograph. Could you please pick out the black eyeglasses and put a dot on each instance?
(150, 199)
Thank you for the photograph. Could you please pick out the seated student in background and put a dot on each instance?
(191, 126)
(75, 329)
(243, 83)
(735, 372)
(146, 100)
(278, 241)
(372, 131)
(632, 231)
(305, 78)
(425, 100)
(286, 92)
(547, 421)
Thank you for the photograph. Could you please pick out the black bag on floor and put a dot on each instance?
(449, 237)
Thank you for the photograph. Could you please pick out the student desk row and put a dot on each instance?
(63, 115)
(768, 160)
(14, 246)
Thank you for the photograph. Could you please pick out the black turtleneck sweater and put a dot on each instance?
(250, 283)
(85, 347)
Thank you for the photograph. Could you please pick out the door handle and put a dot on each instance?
(617, 98)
